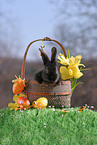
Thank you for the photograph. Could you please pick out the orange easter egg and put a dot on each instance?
(18, 85)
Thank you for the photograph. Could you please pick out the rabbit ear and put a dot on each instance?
(44, 57)
(53, 56)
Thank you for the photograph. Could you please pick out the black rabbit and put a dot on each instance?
(50, 73)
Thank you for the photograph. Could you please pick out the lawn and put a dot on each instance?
(49, 126)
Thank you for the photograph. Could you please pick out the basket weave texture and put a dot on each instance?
(58, 95)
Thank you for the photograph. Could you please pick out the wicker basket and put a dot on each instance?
(58, 95)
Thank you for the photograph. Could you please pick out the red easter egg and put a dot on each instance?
(24, 102)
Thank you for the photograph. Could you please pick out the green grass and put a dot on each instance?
(48, 127)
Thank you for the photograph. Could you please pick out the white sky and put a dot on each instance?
(29, 20)
(35, 18)
(32, 19)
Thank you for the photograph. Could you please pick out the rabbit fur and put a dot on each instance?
(50, 73)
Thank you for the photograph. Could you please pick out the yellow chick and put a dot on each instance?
(40, 103)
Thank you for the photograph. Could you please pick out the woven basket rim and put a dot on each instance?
(61, 82)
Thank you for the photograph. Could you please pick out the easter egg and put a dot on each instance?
(23, 102)
(18, 85)
(40, 103)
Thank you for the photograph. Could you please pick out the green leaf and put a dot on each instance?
(73, 82)
(85, 69)
(68, 53)
(72, 88)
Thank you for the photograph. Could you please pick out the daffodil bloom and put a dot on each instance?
(70, 72)
(70, 69)
(75, 60)
(70, 61)
(63, 60)
(15, 98)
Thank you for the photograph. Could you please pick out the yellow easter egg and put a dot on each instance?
(40, 103)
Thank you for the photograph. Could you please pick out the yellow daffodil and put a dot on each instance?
(75, 60)
(70, 72)
(15, 98)
(70, 61)
(71, 69)
(63, 60)
(13, 106)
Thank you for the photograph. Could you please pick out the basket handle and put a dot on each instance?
(44, 39)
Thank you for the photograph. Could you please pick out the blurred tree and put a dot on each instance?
(9, 36)
(77, 26)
